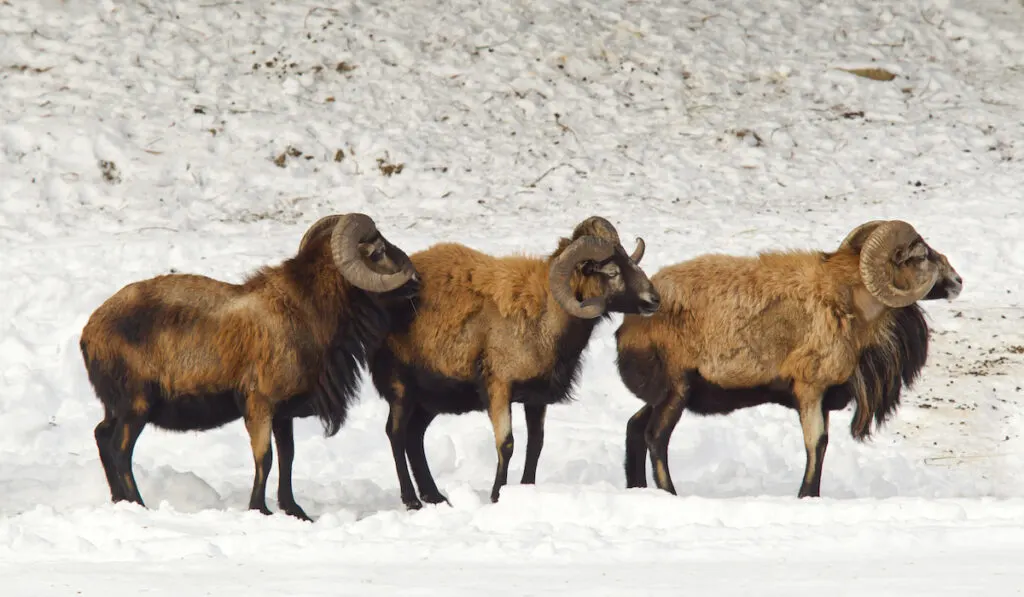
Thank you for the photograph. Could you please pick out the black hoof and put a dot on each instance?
(296, 512)
(261, 509)
(413, 504)
(435, 498)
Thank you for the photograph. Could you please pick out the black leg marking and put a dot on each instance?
(104, 433)
(397, 430)
(501, 475)
(636, 447)
(259, 428)
(811, 486)
(534, 440)
(664, 417)
(125, 434)
(284, 439)
(419, 420)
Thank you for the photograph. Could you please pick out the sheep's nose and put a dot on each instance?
(651, 302)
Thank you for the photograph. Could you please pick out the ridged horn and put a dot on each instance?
(638, 252)
(582, 249)
(878, 268)
(349, 231)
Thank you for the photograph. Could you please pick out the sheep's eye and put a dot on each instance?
(377, 254)
(611, 270)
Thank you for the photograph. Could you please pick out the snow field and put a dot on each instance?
(140, 137)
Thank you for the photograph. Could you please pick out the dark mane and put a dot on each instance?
(884, 369)
(361, 330)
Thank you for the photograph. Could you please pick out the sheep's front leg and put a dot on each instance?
(534, 440)
(419, 420)
(636, 447)
(284, 438)
(258, 424)
(397, 430)
(814, 421)
(500, 409)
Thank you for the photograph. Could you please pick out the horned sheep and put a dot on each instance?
(187, 352)
(486, 332)
(809, 330)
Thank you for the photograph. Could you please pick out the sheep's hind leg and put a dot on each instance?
(814, 421)
(258, 424)
(104, 434)
(125, 434)
(663, 419)
(284, 439)
(636, 448)
(534, 440)
(419, 420)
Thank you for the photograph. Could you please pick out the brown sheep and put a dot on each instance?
(187, 352)
(489, 331)
(809, 330)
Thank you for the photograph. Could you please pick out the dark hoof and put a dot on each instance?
(808, 494)
(262, 509)
(435, 498)
(412, 504)
(296, 512)
(494, 496)
(528, 481)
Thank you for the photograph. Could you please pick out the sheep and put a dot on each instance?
(808, 330)
(190, 353)
(486, 332)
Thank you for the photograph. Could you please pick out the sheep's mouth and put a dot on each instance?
(648, 311)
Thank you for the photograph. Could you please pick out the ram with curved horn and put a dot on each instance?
(809, 330)
(190, 353)
(486, 332)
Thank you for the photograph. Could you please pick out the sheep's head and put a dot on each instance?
(897, 265)
(596, 253)
(364, 257)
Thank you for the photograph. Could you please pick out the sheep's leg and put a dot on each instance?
(663, 419)
(104, 433)
(284, 439)
(397, 430)
(534, 440)
(258, 424)
(500, 410)
(814, 421)
(636, 447)
(125, 434)
(419, 420)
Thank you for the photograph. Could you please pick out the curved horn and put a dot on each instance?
(582, 249)
(877, 266)
(596, 226)
(349, 231)
(319, 226)
(855, 239)
(638, 252)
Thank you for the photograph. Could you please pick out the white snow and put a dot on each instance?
(137, 137)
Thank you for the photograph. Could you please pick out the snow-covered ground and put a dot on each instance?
(137, 137)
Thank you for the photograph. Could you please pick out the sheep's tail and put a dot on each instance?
(884, 369)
